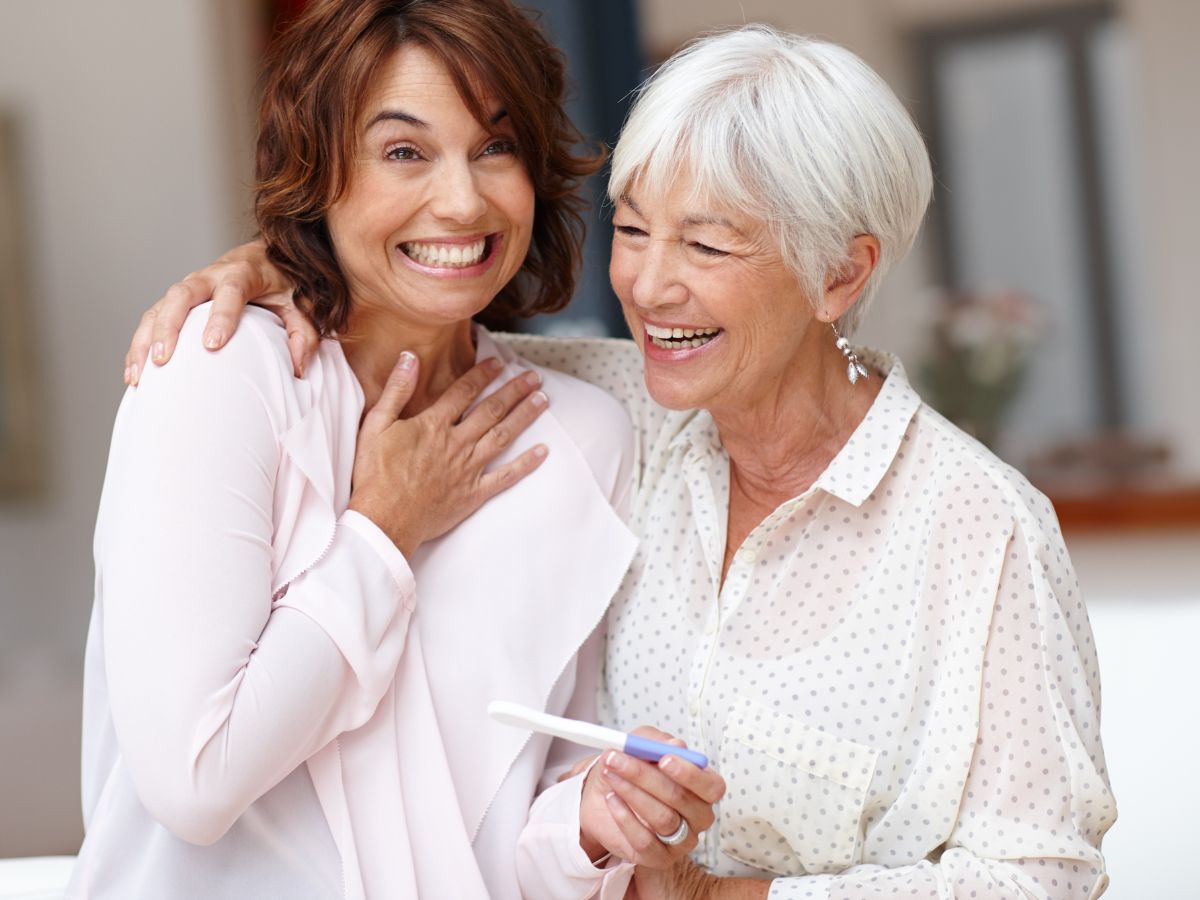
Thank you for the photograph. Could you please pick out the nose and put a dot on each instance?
(659, 281)
(456, 196)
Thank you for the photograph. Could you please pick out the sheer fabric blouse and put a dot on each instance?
(278, 704)
(897, 678)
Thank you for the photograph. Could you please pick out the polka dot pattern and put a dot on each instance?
(897, 678)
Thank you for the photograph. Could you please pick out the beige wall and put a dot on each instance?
(1164, 34)
(124, 142)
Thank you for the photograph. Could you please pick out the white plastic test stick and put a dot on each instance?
(589, 734)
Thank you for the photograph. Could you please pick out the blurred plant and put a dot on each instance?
(977, 357)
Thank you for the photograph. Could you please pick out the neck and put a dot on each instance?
(783, 439)
(374, 339)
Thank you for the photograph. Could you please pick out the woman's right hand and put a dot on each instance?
(417, 478)
(627, 804)
(242, 275)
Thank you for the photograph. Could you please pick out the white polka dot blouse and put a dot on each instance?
(897, 678)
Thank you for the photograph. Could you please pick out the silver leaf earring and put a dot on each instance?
(854, 368)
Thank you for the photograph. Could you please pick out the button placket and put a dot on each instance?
(701, 468)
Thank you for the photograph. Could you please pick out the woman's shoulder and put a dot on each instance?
(611, 364)
(258, 346)
(596, 421)
(252, 371)
(974, 481)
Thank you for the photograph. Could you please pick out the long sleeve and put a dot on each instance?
(1036, 801)
(217, 691)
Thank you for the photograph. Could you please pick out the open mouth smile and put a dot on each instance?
(452, 258)
(679, 338)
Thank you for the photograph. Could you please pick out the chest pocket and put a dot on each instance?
(795, 794)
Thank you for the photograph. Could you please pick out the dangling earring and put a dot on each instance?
(854, 368)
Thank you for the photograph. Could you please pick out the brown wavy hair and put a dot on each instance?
(319, 73)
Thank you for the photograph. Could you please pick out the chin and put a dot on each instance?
(673, 394)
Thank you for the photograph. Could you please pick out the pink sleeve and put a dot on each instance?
(216, 692)
(550, 863)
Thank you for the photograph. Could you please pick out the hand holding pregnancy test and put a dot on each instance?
(588, 734)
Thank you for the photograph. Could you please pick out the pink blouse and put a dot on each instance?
(277, 703)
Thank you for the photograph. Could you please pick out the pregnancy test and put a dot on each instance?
(588, 734)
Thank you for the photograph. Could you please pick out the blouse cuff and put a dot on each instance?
(387, 552)
(805, 887)
(552, 837)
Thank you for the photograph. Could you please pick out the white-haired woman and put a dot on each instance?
(866, 620)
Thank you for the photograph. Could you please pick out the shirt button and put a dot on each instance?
(746, 555)
(711, 629)
(695, 708)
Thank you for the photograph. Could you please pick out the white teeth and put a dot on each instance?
(670, 343)
(445, 256)
(681, 337)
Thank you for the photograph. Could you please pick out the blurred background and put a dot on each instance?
(1050, 308)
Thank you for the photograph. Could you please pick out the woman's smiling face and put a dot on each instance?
(719, 316)
(438, 212)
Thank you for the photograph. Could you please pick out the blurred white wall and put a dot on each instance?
(125, 144)
(1143, 595)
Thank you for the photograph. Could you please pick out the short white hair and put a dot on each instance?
(794, 132)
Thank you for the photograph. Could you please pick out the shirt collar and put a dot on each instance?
(855, 472)
(862, 462)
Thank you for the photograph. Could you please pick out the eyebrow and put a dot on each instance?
(690, 220)
(711, 220)
(395, 115)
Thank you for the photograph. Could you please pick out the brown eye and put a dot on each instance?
(501, 147)
(402, 153)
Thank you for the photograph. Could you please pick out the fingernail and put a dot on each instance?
(127, 374)
(609, 796)
(533, 379)
(540, 451)
(539, 399)
(614, 761)
(158, 352)
(133, 374)
(406, 360)
(494, 364)
(666, 762)
(213, 338)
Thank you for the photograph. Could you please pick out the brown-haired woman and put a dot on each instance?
(301, 612)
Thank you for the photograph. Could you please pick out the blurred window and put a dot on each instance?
(1029, 121)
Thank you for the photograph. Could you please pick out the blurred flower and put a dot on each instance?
(977, 356)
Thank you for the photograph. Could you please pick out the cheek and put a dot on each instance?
(518, 206)
(622, 271)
